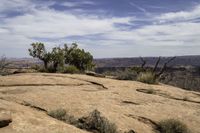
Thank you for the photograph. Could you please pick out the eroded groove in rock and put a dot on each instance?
(16, 91)
(15, 85)
(144, 120)
(91, 82)
(24, 103)
(5, 118)
(130, 102)
(92, 90)
(186, 100)
(158, 93)
(197, 94)
(95, 83)
(33, 106)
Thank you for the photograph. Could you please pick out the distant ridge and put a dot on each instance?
(193, 60)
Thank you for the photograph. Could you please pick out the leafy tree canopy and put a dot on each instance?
(59, 57)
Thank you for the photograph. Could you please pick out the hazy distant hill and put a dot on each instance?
(120, 62)
(23, 62)
(127, 62)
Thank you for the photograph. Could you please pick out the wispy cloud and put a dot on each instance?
(180, 16)
(140, 8)
(156, 7)
(77, 4)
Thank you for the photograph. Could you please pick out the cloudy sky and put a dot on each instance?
(106, 28)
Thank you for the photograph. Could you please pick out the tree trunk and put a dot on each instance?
(45, 64)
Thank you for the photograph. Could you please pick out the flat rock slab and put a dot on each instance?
(5, 118)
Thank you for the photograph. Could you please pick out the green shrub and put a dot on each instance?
(147, 77)
(172, 126)
(96, 123)
(71, 69)
(58, 114)
(61, 114)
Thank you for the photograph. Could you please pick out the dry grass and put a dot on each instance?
(172, 126)
(97, 123)
(94, 122)
(62, 115)
(147, 77)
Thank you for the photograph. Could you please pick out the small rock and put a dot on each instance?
(5, 118)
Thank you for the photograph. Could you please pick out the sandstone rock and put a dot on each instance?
(91, 73)
(5, 118)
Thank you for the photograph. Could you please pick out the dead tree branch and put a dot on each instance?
(143, 62)
(164, 67)
(156, 65)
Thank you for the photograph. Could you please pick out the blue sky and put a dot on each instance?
(106, 28)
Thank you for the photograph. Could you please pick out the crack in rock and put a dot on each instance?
(130, 102)
(91, 82)
(144, 120)
(15, 85)
(158, 93)
(24, 103)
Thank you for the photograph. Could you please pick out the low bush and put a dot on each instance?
(40, 68)
(97, 123)
(94, 122)
(57, 114)
(71, 69)
(147, 77)
(172, 126)
(61, 114)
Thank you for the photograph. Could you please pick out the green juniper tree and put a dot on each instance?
(59, 57)
(38, 51)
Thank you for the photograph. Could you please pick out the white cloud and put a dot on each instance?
(16, 33)
(50, 23)
(16, 5)
(180, 16)
(76, 4)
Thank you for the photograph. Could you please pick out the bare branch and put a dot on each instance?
(156, 65)
(165, 66)
(143, 62)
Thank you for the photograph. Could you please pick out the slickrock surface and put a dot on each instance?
(128, 104)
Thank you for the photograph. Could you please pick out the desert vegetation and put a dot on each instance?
(182, 71)
(149, 75)
(3, 65)
(94, 122)
(172, 126)
(66, 59)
